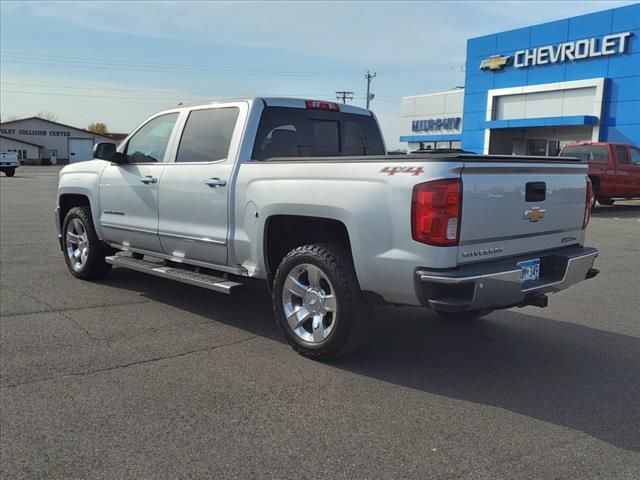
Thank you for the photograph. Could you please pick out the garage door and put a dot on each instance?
(80, 149)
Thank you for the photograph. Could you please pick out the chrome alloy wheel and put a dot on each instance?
(77, 243)
(309, 303)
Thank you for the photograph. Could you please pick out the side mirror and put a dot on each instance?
(107, 151)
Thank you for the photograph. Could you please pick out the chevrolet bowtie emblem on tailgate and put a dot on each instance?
(495, 62)
(534, 215)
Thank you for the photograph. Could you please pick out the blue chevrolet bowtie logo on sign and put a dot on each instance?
(495, 62)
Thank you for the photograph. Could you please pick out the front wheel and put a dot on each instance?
(605, 201)
(318, 303)
(84, 252)
(9, 172)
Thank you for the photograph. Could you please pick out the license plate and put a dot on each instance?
(530, 270)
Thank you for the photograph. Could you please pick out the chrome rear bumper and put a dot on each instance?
(499, 284)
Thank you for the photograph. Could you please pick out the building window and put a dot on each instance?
(537, 147)
(427, 145)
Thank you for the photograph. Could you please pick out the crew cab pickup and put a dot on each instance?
(302, 194)
(614, 169)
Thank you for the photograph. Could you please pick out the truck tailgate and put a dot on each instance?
(520, 207)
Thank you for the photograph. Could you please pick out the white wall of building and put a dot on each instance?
(10, 145)
(558, 103)
(561, 99)
(51, 135)
(432, 106)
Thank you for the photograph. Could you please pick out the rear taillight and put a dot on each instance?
(436, 208)
(587, 205)
(319, 105)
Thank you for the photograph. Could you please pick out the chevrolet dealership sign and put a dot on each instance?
(567, 51)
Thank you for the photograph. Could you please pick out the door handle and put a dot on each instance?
(215, 182)
(148, 179)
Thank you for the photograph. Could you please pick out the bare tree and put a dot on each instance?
(45, 115)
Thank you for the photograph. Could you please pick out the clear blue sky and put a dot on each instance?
(118, 62)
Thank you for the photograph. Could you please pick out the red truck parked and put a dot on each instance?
(614, 169)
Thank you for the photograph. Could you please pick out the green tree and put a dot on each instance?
(98, 127)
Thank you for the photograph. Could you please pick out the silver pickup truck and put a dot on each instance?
(301, 194)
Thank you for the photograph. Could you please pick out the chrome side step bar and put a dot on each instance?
(210, 282)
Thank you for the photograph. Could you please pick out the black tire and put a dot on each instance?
(10, 172)
(352, 310)
(594, 195)
(605, 201)
(95, 266)
(465, 316)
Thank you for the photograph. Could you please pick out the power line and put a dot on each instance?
(120, 62)
(159, 68)
(344, 96)
(167, 99)
(145, 66)
(22, 92)
(151, 90)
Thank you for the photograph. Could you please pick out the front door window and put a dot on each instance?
(149, 144)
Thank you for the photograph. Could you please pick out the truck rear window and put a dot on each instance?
(298, 132)
(587, 153)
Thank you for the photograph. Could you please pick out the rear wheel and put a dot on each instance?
(318, 303)
(84, 251)
(465, 316)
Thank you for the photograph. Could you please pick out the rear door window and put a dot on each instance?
(298, 132)
(587, 153)
(622, 155)
(635, 155)
(207, 135)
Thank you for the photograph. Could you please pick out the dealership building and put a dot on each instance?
(36, 140)
(532, 90)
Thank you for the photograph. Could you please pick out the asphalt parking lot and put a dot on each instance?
(139, 377)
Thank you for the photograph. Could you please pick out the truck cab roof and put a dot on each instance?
(288, 102)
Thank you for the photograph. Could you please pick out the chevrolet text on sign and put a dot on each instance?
(586, 48)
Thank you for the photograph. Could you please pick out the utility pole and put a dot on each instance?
(369, 76)
(344, 96)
